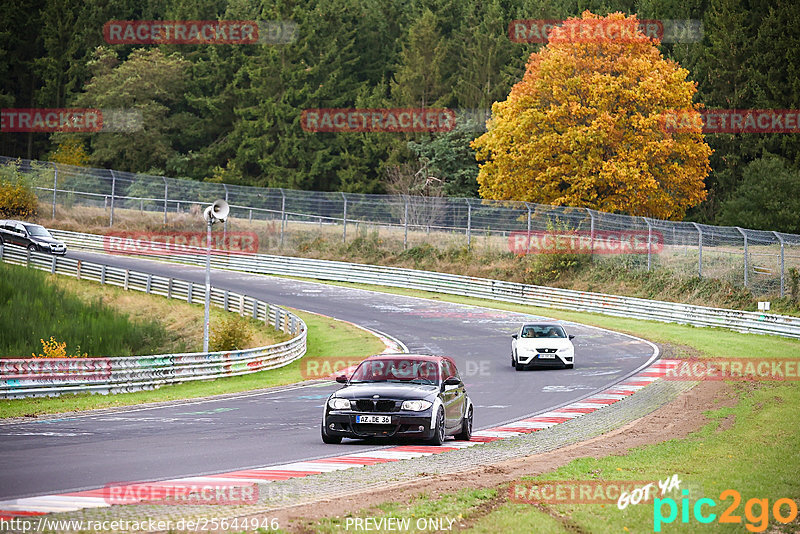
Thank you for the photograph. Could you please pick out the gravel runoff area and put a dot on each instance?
(316, 488)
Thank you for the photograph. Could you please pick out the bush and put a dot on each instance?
(34, 307)
(17, 194)
(54, 349)
(231, 333)
(794, 285)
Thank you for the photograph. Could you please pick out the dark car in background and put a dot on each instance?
(400, 396)
(34, 237)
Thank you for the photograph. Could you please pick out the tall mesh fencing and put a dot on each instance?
(762, 261)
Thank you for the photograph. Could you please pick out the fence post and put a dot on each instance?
(166, 199)
(699, 250)
(113, 191)
(405, 222)
(55, 188)
(528, 207)
(344, 219)
(225, 223)
(469, 223)
(591, 234)
(782, 264)
(745, 255)
(283, 214)
(649, 240)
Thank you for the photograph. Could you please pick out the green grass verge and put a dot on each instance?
(447, 512)
(326, 337)
(34, 307)
(755, 455)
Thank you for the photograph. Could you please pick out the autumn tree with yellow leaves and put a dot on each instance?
(585, 126)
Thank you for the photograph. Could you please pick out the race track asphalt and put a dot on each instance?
(60, 454)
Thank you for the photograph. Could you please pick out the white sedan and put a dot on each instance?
(542, 345)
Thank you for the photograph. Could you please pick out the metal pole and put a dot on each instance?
(529, 222)
(699, 250)
(469, 223)
(283, 215)
(782, 264)
(55, 188)
(166, 197)
(344, 220)
(591, 233)
(405, 224)
(208, 284)
(113, 190)
(745, 255)
(225, 224)
(649, 240)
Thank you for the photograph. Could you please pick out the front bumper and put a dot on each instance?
(412, 425)
(534, 360)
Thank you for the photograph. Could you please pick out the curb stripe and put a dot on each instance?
(97, 498)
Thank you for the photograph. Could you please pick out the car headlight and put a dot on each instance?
(339, 404)
(416, 405)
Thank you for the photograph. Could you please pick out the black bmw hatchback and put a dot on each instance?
(400, 396)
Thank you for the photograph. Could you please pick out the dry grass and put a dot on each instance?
(183, 321)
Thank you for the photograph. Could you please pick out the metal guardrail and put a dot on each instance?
(741, 321)
(52, 377)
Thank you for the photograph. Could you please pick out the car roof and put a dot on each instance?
(542, 324)
(423, 357)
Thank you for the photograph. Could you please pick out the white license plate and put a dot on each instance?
(376, 419)
(547, 356)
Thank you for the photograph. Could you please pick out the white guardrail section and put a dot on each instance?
(36, 377)
(742, 321)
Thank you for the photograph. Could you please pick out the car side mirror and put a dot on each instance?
(342, 379)
(571, 336)
(515, 336)
(452, 381)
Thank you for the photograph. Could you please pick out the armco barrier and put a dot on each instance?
(52, 377)
(742, 321)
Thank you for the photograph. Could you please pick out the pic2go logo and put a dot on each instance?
(757, 521)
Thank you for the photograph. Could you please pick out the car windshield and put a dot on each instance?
(397, 370)
(38, 231)
(538, 331)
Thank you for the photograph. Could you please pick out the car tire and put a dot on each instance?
(330, 440)
(466, 427)
(513, 360)
(438, 431)
(32, 247)
(519, 367)
(570, 365)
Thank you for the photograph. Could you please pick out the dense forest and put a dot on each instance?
(232, 113)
